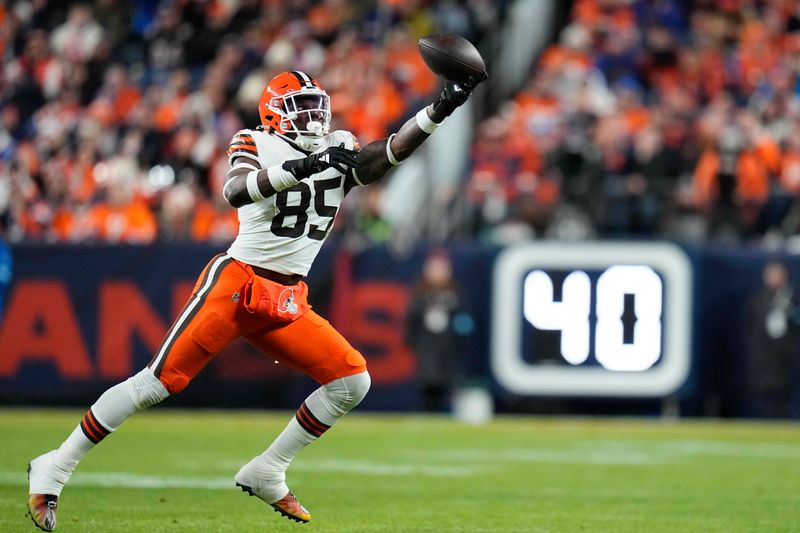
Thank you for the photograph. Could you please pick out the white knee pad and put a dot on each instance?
(332, 401)
(146, 389)
(356, 389)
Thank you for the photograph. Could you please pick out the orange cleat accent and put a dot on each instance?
(42, 510)
(287, 506)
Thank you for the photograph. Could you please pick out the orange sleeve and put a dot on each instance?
(63, 224)
(790, 172)
(752, 180)
(201, 225)
(141, 224)
(770, 154)
(704, 183)
(97, 221)
(243, 145)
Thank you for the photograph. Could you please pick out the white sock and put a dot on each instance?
(266, 473)
(104, 417)
(109, 411)
(318, 413)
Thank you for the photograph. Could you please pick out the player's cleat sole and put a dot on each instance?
(42, 509)
(287, 506)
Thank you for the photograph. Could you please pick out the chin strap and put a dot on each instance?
(308, 143)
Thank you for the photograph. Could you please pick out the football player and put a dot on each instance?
(287, 179)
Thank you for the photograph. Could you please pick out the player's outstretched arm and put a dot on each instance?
(247, 184)
(378, 157)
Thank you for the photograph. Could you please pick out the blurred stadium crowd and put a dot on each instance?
(663, 117)
(660, 117)
(115, 116)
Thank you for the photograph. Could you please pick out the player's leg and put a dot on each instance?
(204, 326)
(313, 346)
(49, 472)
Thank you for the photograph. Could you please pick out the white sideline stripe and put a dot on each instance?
(196, 299)
(129, 480)
(414, 467)
(616, 452)
(538, 455)
(709, 447)
(381, 469)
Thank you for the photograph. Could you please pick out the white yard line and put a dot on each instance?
(540, 455)
(612, 452)
(381, 469)
(131, 480)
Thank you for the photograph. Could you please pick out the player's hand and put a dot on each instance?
(453, 95)
(336, 157)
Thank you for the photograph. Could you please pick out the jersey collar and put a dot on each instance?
(291, 142)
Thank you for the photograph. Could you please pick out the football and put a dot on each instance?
(452, 57)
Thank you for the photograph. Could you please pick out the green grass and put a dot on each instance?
(398, 473)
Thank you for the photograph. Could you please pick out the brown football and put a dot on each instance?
(452, 57)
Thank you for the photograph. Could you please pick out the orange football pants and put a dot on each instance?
(215, 315)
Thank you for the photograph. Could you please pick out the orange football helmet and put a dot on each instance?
(294, 102)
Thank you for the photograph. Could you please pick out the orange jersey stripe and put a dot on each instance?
(243, 146)
(243, 138)
(235, 147)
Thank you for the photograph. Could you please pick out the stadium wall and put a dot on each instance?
(80, 318)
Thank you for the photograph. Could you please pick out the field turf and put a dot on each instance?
(172, 471)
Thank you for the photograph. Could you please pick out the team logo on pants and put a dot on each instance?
(286, 301)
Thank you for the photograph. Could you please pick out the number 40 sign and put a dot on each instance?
(571, 315)
(627, 366)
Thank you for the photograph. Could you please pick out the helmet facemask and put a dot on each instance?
(305, 113)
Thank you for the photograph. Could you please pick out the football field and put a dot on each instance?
(168, 471)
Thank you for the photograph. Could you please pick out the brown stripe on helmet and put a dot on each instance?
(301, 77)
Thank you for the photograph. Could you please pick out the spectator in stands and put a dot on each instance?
(78, 38)
(666, 116)
(214, 220)
(645, 117)
(773, 317)
(123, 217)
(6, 269)
(172, 82)
(177, 213)
(432, 331)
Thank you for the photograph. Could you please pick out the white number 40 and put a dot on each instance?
(571, 315)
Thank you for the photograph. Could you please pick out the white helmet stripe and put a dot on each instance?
(304, 78)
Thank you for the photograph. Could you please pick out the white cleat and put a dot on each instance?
(256, 479)
(45, 476)
(263, 481)
(45, 483)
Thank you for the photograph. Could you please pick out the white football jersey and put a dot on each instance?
(285, 231)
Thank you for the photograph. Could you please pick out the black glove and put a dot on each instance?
(452, 96)
(336, 157)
